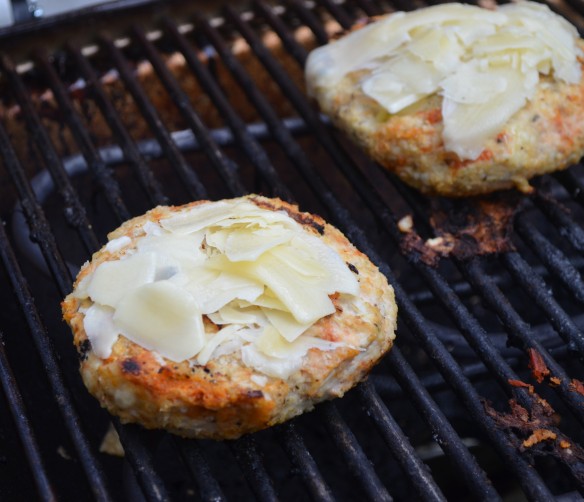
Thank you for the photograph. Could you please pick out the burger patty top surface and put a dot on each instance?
(455, 99)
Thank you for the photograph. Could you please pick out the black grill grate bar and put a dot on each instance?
(340, 215)
(568, 228)
(369, 8)
(573, 184)
(73, 209)
(443, 432)
(358, 463)
(338, 13)
(245, 140)
(49, 358)
(95, 90)
(188, 176)
(103, 176)
(425, 486)
(536, 287)
(298, 52)
(251, 462)
(552, 257)
(529, 479)
(140, 457)
(447, 364)
(304, 463)
(195, 460)
(40, 230)
(24, 428)
(308, 19)
(222, 163)
(519, 330)
(334, 149)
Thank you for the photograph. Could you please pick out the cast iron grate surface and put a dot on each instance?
(434, 421)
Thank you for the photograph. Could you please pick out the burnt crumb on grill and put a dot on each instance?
(254, 394)
(83, 349)
(577, 386)
(535, 433)
(131, 366)
(465, 228)
(537, 365)
(353, 268)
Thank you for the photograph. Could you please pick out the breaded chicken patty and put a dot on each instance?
(229, 395)
(545, 134)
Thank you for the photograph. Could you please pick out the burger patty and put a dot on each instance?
(546, 135)
(225, 398)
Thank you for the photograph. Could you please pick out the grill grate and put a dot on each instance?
(353, 448)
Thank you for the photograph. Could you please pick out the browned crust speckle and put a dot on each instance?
(224, 399)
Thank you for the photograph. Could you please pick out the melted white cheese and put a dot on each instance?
(485, 64)
(255, 273)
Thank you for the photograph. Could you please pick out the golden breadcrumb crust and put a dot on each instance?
(225, 398)
(546, 135)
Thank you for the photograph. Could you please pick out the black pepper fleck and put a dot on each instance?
(353, 268)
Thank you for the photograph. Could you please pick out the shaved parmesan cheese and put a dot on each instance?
(286, 324)
(255, 273)
(217, 339)
(115, 245)
(101, 330)
(114, 279)
(271, 366)
(162, 317)
(272, 344)
(467, 54)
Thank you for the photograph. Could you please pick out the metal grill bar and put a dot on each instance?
(142, 462)
(556, 213)
(553, 258)
(195, 460)
(224, 165)
(73, 209)
(536, 287)
(39, 227)
(354, 456)
(444, 433)
(309, 19)
(303, 461)
(248, 144)
(22, 424)
(425, 485)
(47, 353)
(131, 152)
(251, 462)
(186, 173)
(103, 176)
